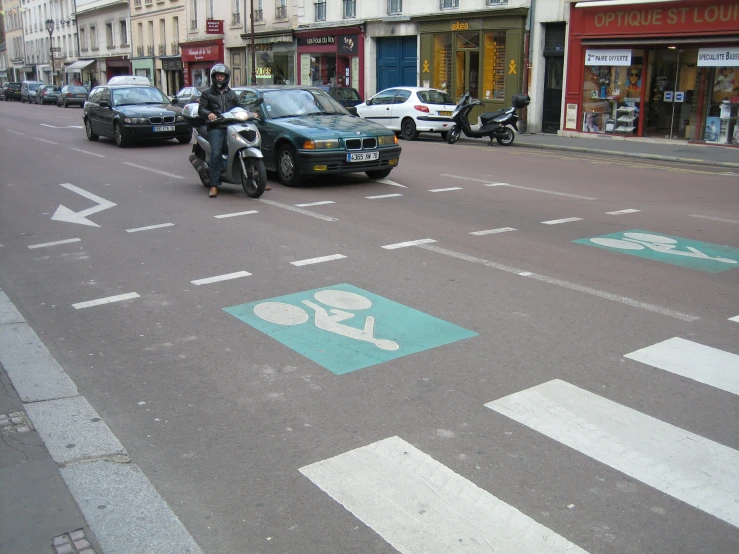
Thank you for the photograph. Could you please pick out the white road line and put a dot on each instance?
(315, 203)
(298, 210)
(619, 212)
(545, 191)
(724, 220)
(45, 244)
(219, 278)
(493, 231)
(63, 117)
(686, 466)
(86, 152)
(558, 221)
(44, 140)
(409, 243)
(445, 190)
(137, 229)
(153, 170)
(565, 284)
(419, 505)
(735, 318)
(14, 132)
(695, 361)
(389, 182)
(319, 260)
(236, 214)
(382, 196)
(107, 300)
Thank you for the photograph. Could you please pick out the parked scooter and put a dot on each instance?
(498, 125)
(243, 162)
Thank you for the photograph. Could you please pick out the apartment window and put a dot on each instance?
(394, 7)
(236, 16)
(281, 9)
(448, 4)
(194, 20)
(93, 38)
(83, 40)
(259, 12)
(176, 30)
(109, 35)
(123, 30)
(495, 2)
(140, 41)
(320, 10)
(150, 42)
(210, 9)
(162, 32)
(350, 9)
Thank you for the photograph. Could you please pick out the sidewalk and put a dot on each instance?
(673, 151)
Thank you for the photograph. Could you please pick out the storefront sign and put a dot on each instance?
(172, 64)
(349, 45)
(718, 57)
(314, 41)
(199, 53)
(714, 17)
(460, 26)
(214, 26)
(571, 119)
(680, 96)
(263, 72)
(667, 96)
(608, 57)
(264, 47)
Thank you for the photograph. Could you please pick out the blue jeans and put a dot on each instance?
(216, 138)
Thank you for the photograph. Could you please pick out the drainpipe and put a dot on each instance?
(527, 56)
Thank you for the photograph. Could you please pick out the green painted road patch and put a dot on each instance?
(344, 328)
(694, 254)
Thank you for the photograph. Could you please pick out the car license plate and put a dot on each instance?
(81, 96)
(363, 157)
(445, 113)
(164, 128)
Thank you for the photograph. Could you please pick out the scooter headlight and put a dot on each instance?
(251, 137)
(240, 116)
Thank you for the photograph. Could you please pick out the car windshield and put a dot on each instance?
(347, 94)
(77, 90)
(33, 86)
(296, 102)
(138, 95)
(434, 97)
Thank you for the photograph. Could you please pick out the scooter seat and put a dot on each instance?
(487, 116)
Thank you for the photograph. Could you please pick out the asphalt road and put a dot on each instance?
(258, 434)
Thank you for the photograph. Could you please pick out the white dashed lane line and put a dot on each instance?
(493, 231)
(45, 244)
(44, 140)
(619, 212)
(723, 220)
(382, 196)
(558, 221)
(318, 260)
(86, 152)
(735, 318)
(107, 300)
(487, 183)
(137, 229)
(298, 210)
(408, 243)
(445, 190)
(218, 278)
(235, 214)
(315, 203)
(172, 175)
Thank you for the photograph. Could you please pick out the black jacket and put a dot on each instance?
(213, 101)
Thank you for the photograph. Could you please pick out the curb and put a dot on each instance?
(640, 155)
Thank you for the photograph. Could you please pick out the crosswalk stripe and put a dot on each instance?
(419, 505)
(701, 363)
(686, 466)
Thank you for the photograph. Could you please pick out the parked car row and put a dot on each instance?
(10, 91)
(41, 93)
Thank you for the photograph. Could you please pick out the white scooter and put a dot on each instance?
(243, 162)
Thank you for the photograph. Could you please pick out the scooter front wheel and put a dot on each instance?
(453, 135)
(253, 177)
(506, 137)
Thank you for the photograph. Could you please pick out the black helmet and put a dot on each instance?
(220, 68)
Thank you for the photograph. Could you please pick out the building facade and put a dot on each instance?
(38, 43)
(15, 46)
(665, 70)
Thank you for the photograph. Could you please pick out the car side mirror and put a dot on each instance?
(352, 111)
(258, 102)
(368, 102)
(104, 104)
(175, 100)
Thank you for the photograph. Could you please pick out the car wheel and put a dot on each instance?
(254, 178)
(287, 167)
(506, 137)
(184, 140)
(120, 140)
(408, 129)
(378, 173)
(23, 100)
(88, 131)
(65, 104)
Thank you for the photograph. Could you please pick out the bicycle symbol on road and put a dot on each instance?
(281, 313)
(658, 243)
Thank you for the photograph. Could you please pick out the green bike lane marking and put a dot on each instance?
(344, 328)
(694, 254)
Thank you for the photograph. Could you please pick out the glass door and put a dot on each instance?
(467, 64)
(671, 93)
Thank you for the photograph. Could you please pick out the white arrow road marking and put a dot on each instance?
(63, 213)
(62, 127)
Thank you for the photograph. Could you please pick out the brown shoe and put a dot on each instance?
(213, 192)
(268, 187)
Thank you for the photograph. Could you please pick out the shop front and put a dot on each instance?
(660, 70)
(117, 65)
(198, 58)
(331, 57)
(172, 77)
(481, 54)
(144, 67)
(81, 72)
(274, 59)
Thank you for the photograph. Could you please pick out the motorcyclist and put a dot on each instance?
(216, 100)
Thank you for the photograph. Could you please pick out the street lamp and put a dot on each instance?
(50, 29)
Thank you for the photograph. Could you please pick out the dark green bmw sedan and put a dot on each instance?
(306, 133)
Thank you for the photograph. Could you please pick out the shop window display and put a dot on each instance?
(612, 96)
(722, 123)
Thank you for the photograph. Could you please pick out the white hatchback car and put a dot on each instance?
(410, 110)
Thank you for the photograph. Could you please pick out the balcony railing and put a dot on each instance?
(194, 25)
(320, 11)
(174, 48)
(258, 15)
(162, 49)
(148, 2)
(281, 12)
(350, 9)
(448, 4)
(136, 3)
(150, 50)
(139, 51)
(394, 7)
(235, 18)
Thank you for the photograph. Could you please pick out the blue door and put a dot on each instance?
(397, 59)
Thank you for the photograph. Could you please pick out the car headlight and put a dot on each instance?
(179, 118)
(387, 140)
(135, 120)
(321, 144)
